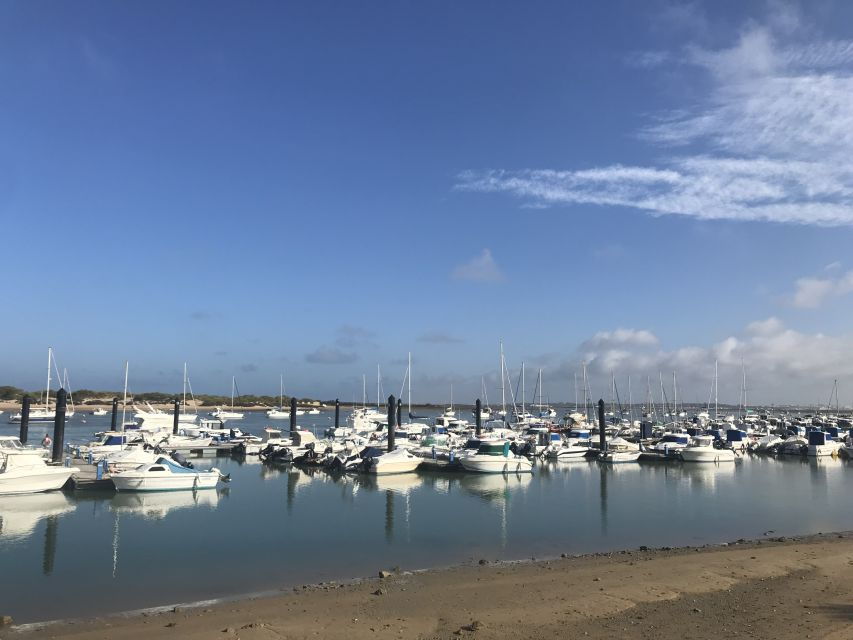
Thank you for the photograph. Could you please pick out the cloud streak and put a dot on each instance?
(771, 141)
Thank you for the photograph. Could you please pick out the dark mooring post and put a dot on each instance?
(478, 416)
(337, 413)
(399, 411)
(602, 443)
(177, 417)
(25, 418)
(392, 421)
(115, 415)
(59, 425)
(292, 416)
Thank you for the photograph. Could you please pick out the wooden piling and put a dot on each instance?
(392, 421)
(25, 418)
(59, 425)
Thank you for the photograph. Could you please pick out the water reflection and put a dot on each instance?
(156, 505)
(706, 475)
(19, 515)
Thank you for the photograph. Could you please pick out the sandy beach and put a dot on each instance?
(774, 588)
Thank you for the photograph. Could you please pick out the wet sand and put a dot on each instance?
(774, 588)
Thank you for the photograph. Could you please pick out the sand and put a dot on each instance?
(775, 588)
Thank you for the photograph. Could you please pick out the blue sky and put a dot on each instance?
(316, 188)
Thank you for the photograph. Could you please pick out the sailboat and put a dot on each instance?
(221, 413)
(46, 414)
(486, 411)
(157, 418)
(545, 411)
(279, 412)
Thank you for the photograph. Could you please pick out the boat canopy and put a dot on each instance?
(173, 466)
(493, 448)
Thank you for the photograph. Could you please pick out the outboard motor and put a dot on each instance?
(181, 460)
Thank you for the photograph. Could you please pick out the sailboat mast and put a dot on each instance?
(124, 401)
(378, 384)
(281, 391)
(183, 408)
(630, 403)
(716, 392)
(233, 384)
(585, 399)
(410, 385)
(47, 392)
(503, 381)
(522, 391)
(364, 391)
(674, 398)
(576, 391)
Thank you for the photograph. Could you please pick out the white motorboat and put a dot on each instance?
(153, 419)
(793, 446)
(133, 456)
(494, 456)
(179, 441)
(271, 436)
(822, 444)
(27, 472)
(619, 456)
(559, 449)
(770, 442)
(398, 461)
(165, 475)
(12, 444)
(702, 449)
(109, 442)
(313, 412)
(279, 414)
(99, 412)
(669, 445)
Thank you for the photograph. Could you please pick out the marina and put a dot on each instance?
(121, 543)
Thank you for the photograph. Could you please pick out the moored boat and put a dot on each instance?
(27, 472)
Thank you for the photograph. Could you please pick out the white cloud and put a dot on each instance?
(776, 127)
(810, 293)
(783, 365)
(481, 268)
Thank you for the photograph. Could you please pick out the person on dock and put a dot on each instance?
(46, 441)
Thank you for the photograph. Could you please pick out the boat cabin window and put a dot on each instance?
(114, 440)
(157, 469)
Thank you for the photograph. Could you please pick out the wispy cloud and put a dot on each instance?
(811, 293)
(330, 355)
(439, 337)
(349, 336)
(248, 368)
(201, 314)
(481, 268)
(775, 132)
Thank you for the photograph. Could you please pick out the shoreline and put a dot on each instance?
(362, 607)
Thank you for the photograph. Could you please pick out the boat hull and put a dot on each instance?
(172, 482)
(49, 479)
(496, 464)
(701, 454)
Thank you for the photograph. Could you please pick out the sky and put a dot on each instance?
(316, 188)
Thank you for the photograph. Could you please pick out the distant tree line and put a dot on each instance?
(88, 396)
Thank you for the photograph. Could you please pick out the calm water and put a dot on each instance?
(94, 553)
